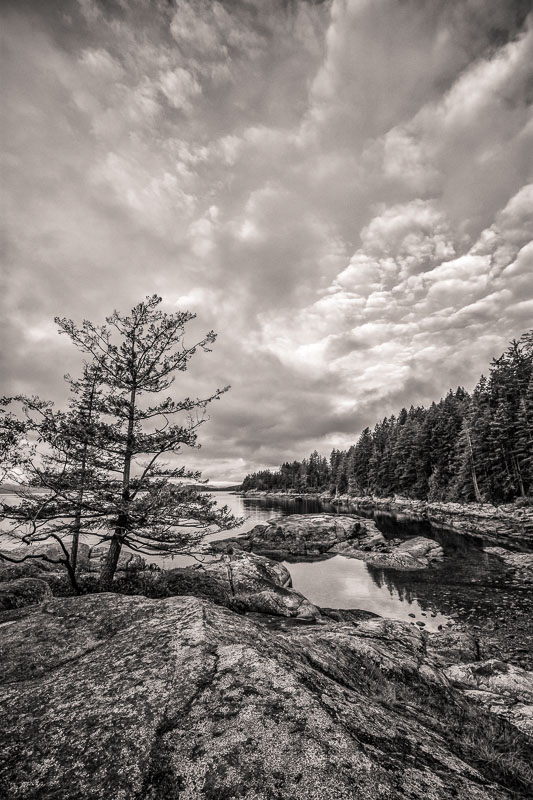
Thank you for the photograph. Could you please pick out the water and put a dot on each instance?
(340, 582)
(251, 512)
(467, 582)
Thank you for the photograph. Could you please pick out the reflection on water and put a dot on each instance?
(342, 582)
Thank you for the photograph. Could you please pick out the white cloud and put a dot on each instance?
(342, 190)
(179, 87)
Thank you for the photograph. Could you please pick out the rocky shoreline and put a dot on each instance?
(512, 523)
(222, 681)
(310, 536)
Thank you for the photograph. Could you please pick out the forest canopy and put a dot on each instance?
(465, 447)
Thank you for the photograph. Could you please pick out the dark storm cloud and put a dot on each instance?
(340, 189)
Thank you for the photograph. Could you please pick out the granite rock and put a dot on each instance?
(501, 687)
(306, 535)
(107, 696)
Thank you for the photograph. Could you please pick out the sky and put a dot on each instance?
(342, 190)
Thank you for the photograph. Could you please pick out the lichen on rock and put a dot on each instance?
(107, 696)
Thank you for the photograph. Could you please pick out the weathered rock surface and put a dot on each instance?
(23, 592)
(247, 572)
(249, 582)
(415, 553)
(107, 696)
(491, 522)
(308, 535)
(305, 535)
(501, 522)
(89, 560)
(452, 647)
(496, 523)
(502, 688)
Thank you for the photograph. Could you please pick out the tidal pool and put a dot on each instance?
(341, 582)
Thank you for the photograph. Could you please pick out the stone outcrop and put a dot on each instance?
(243, 581)
(107, 696)
(89, 560)
(494, 523)
(456, 646)
(502, 688)
(497, 523)
(305, 535)
(247, 572)
(415, 553)
(312, 535)
(33, 566)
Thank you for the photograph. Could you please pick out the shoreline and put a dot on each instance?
(509, 521)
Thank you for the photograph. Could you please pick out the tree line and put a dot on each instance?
(465, 447)
(104, 467)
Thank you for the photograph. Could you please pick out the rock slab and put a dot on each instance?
(245, 581)
(107, 696)
(313, 535)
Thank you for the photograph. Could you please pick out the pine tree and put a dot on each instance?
(462, 447)
(147, 504)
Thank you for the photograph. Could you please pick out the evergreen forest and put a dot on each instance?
(465, 447)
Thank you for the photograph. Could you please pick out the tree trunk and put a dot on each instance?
(79, 499)
(72, 576)
(477, 493)
(76, 536)
(519, 476)
(115, 546)
(110, 563)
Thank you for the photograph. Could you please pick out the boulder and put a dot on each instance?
(35, 567)
(305, 535)
(246, 581)
(501, 687)
(415, 553)
(23, 592)
(107, 696)
(310, 535)
(245, 572)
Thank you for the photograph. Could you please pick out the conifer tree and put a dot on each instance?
(146, 503)
(100, 461)
(473, 448)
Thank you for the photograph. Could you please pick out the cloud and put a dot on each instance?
(341, 189)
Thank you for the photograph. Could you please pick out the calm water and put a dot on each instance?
(336, 582)
(340, 582)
